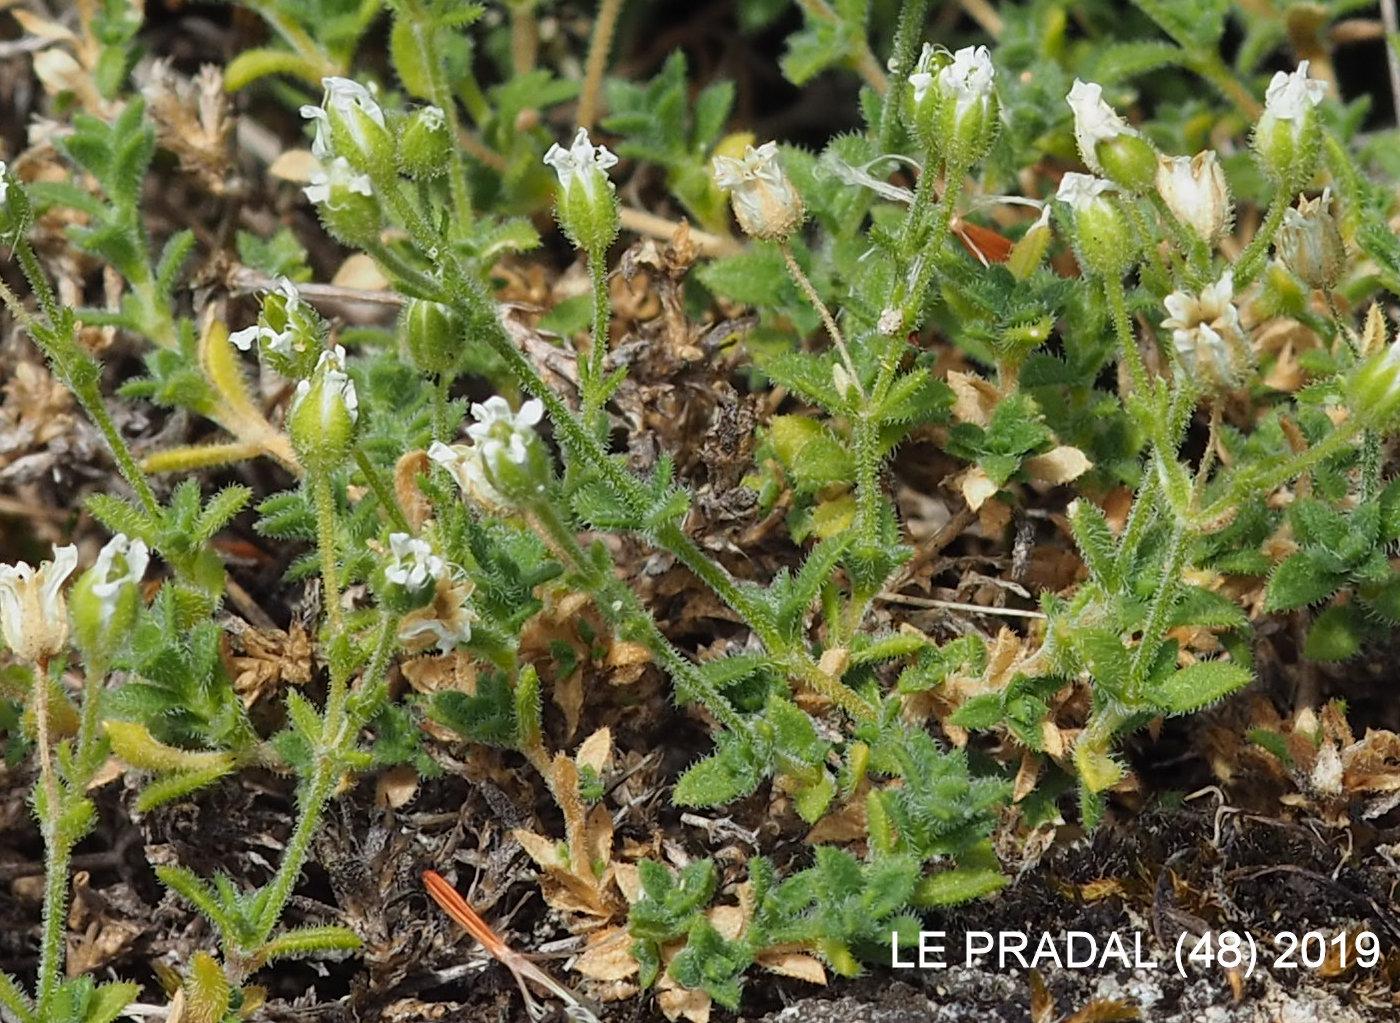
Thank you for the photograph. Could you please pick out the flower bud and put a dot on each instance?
(289, 333)
(432, 335)
(1028, 253)
(1286, 138)
(923, 99)
(1195, 190)
(350, 125)
(955, 107)
(345, 201)
(33, 613)
(323, 414)
(1109, 145)
(411, 573)
(15, 210)
(1102, 237)
(507, 465)
(106, 597)
(425, 146)
(1207, 334)
(1373, 393)
(765, 202)
(587, 206)
(1310, 243)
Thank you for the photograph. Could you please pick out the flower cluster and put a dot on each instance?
(954, 106)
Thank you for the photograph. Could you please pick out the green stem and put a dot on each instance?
(323, 496)
(1142, 513)
(411, 279)
(1257, 485)
(581, 445)
(381, 490)
(909, 296)
(441, 95)
(1127, 342)
(865, 436)
(442, 409)
(311, 801)
(908, 34)
(81, 373)
(1253, 258)
(89, 722)
(1159, 612)
(1155, 273)
(624, 612)
(57, 859)
(598, 350)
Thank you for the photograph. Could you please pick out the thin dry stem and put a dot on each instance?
(604, 26)
(831, 328)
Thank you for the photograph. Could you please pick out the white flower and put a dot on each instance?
(412, 563)
(1310, 243)
(765, 202)
(337, 387)
(336, 174)
(582, 163)
(432, 118)
(499, 432)
(1195, 190)
(288, 290)
(33, 613)
(499, 436)
(969, 79)
(1290, 96)
(922, 77)
(1207, 333)
(342, 98)
(282, 342)
(1081, 191)
(121, 561)
(1094, 122)
(464, 463)
(4, 181)
(444, 623)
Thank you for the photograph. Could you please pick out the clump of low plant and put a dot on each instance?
(1095, 280)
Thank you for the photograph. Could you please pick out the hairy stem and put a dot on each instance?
(598, 349)
(604, 25)
(624, 612)
(323, 497)
(908, 33)
(442, 98)
(57, 858)
(1159, 612)
(1255, 484)
(1127, 340)
(1256, 253)
(382, 490)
